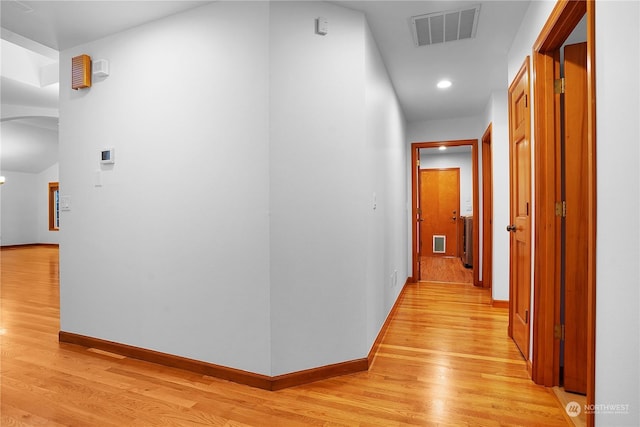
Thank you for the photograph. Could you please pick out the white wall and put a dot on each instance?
(445, 130)
(385, 154)
(337, 264)
(19, 209)
(497, 113)
(225, 243)
(42, 193)
(317, 231)
(431, 158)
(25, 207)
(171, 253)
(618, 191)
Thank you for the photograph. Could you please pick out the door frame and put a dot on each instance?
(546, 348)
(415, 164)
(487, 209)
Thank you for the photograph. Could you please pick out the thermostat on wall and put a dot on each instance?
(107, 156)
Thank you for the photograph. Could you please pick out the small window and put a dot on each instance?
(54, 206)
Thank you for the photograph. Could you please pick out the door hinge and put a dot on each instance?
(526, 101)
(418, 162)
(561, 209)
(558, 332)
(559, 85)
(526, 317)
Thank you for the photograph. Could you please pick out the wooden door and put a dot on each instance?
(520, 194)
(575, 221)
(487, 210)
(440, 205)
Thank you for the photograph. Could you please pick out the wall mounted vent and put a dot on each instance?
(442, 27)
(439, 244)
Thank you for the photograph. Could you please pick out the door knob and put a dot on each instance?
(511, 228)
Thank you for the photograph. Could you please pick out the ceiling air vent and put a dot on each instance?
(442, 27)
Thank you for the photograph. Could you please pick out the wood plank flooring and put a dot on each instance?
(444, 269)
(445, 360)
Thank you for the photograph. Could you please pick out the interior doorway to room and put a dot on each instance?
(444, 196)
(487, 208)
(565, 201)
(573, 274)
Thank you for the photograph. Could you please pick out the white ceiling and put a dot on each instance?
(64, 24)
(476, 67)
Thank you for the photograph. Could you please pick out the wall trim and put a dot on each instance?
(165, 359)
(30, 245)
(239, 376)
(387, 322)
(499, 303)
(321, 373)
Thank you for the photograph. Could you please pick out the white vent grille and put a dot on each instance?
(442, 27)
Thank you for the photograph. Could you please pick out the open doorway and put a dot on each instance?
(565, 201)
(445, 194)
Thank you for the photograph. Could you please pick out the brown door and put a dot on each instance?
(487, 210)
(520, 194)
(440, 204)
(575, 221)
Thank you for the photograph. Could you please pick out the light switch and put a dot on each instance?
(322, 26)
(65, 203)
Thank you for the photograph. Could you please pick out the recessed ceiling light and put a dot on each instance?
(443, 84)
(442, 147)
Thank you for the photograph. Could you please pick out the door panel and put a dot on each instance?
(576, 230)
(440, 204)
(520, 194)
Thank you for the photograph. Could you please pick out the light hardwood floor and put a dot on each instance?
(444, 269)
(445, 360)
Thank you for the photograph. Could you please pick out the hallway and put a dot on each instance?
(446, 359)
